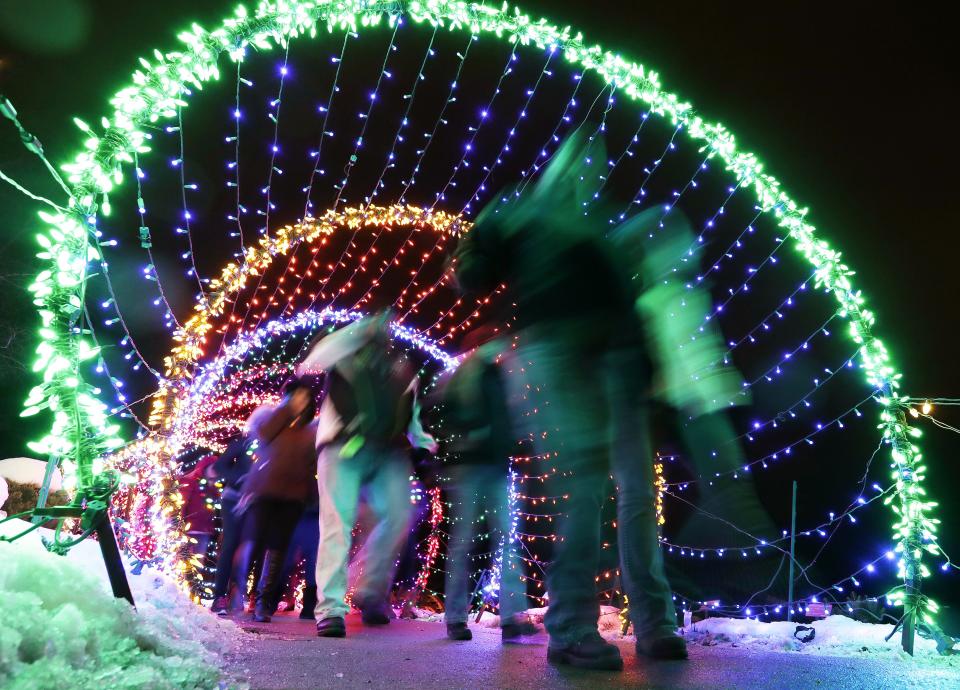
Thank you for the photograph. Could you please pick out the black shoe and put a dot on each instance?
(459, 631)
(331, 627)
(514, 630)
(663, 646)
(374, 617)
(268, 593)
(309, 603)
(591, 652)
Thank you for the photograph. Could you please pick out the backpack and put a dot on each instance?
(371, 393)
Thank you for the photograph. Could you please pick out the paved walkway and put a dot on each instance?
(287, 655)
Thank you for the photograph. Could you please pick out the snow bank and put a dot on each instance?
(29, 471)
(60, 626)
(608, 624)
(835, 636)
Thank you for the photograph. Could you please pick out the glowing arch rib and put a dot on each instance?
(208, 376)
(81, 430)
(181, 363)
(257, 259)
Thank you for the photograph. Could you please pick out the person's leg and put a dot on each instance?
(463, 514)
(252, 582)
(311, 542)
(228, 549)
(566, 415)
(250, 553)
(495, 483)
(641, 561)
(567, 418)
(409, 566)
(338, 481)
(571, 576)
(283, 520)
(296, 550)
(389, 495)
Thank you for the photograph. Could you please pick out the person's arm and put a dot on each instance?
(267, 422)
(416, 434)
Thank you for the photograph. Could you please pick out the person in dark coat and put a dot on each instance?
(482, 440)
(231, 469)
(278, 485)
(582, 348)
(199, 493)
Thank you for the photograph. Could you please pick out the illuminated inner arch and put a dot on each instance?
(216, 328)
(210, 408)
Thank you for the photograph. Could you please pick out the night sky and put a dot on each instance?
(852, 109)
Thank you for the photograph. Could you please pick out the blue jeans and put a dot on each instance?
(476, 489)
(591, 414)
(232, 530)
(385, 474)
(304, 544)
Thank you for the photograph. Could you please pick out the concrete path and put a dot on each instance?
(287, 655)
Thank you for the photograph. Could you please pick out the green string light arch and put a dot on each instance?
(81, 430)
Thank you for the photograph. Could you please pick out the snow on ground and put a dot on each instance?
(60, 625)
(609, 623)
(835, 636)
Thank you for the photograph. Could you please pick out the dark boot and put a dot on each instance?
(269, 586)
(517, 628)
(591, 652)
(374, 612)
(459, 632)
(662, 646)
(309, 603)
(331, 627)
(374, 616)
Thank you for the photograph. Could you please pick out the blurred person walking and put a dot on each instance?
(368, 421)
(582, 346)
(277, 486)
(482, 440)
(230, 468)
